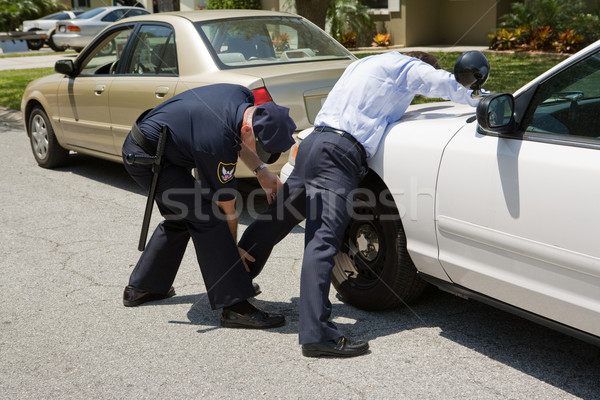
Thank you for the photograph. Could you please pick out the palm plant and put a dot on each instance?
(532, 14)
(346, 16)
(13, 13)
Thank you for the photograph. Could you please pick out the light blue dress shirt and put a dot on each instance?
(376, 91)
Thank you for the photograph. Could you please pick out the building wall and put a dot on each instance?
(422, 19)
(466, 22)
(440, 22)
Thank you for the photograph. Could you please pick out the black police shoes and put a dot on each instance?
(253, 319)
(340, 347)
(257, 289)
(134, 297)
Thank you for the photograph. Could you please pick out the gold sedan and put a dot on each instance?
(92, 101)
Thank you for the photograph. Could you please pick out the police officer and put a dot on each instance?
(208, 128)
(372, 93)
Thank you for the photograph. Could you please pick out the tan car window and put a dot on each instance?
(260, 41)
(153, 52)
(104, 58)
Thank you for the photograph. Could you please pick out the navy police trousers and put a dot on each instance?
(187, 215)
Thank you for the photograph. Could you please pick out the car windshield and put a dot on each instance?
(53, 16)
(90, 13)
(272, 40)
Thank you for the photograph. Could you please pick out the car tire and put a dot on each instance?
(35, 44)
(47, 151)
(53, 46)
(373, 270)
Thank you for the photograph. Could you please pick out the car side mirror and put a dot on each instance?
(65, 67)
(495, 114)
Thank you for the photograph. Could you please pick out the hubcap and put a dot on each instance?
(367, 242)
(39, 136)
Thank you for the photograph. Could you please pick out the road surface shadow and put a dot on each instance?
(544, 354)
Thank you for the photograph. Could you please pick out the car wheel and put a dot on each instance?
(53, 46)
(373, 270)
(35, 44)
(47, 151)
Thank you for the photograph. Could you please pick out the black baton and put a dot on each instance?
(157, 162)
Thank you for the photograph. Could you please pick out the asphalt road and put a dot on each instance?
(68, 243)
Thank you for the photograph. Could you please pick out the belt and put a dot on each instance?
(343, 134)
(142, 140)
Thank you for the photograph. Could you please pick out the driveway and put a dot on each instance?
(68, 244)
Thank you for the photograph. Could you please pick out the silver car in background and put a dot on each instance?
(79, 32)
(47, 24)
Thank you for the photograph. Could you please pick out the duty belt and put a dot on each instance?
(142, 140)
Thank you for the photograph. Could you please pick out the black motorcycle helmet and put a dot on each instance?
(472, 69)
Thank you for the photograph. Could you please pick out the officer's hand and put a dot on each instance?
(269, 182)
(245, 256)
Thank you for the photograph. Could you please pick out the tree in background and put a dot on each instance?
(314, 10)
(13, 13)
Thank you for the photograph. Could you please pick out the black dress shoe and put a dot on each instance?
(340, 347)
(257, 289)
(134, 297)
(254, 319)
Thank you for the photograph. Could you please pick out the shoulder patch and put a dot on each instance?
(225, 171)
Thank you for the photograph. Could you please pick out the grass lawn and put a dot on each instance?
(34, 54)
(508, 73)
(13, 83)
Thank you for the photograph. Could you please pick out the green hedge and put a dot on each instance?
(234, 4)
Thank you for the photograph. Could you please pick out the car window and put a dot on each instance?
(135, 11)
(62, 16)
(255, 41)
(90, 13)
(153, 52)
(106, 54)
(123, 13)
(113, 16)
(58, 15)
(569, 102)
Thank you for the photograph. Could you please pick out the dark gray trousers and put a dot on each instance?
(321, 189)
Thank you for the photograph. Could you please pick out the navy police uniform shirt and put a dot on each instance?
(204, 125)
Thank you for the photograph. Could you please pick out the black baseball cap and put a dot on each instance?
(273, 130)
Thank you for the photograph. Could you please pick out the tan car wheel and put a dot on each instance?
(46, 150)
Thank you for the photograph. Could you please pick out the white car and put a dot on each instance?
(79, 32)
(501, 205)
(47, 24)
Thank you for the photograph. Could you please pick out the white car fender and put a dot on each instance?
(408, 162)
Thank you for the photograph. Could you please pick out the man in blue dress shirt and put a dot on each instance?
(371, 94)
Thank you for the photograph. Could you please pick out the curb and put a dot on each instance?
(10, 116)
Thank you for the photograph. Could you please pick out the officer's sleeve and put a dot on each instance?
(218, 175)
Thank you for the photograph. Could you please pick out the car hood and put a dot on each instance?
(428, 127)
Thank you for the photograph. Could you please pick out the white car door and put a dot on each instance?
(519, 218)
